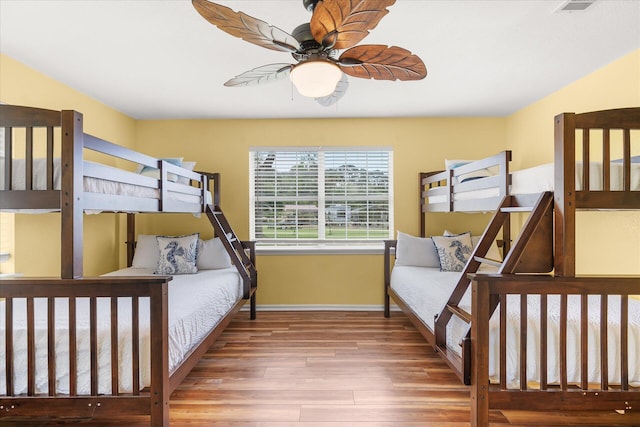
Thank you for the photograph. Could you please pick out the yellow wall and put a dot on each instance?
(607, 243)
(7, 242)
(419, 144)
(22, 85)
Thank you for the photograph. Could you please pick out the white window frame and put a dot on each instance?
(321, 245)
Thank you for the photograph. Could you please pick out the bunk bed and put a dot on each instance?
(118, 344)
(526, 333)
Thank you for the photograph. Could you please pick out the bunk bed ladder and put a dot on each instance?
(530, 252)
(535, 240)
(237, 251)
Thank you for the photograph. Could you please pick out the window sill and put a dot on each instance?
(377, 249)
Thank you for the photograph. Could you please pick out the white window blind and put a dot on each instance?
(321, 195)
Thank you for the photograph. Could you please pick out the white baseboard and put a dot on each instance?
(320, 307)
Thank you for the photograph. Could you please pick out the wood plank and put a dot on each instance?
(604, 339)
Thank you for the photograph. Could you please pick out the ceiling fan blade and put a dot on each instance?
(250, 29)
(341, 89)
(264, 74)
(381, 62)
(340, 24)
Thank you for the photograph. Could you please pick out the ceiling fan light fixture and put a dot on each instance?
(316, 78)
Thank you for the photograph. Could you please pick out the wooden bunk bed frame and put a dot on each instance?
(71, 200)
(545, 243)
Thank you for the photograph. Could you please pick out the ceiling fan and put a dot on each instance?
(319, 72)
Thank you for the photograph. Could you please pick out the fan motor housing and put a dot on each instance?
(308, 44)
(302, 33)
(309, 4)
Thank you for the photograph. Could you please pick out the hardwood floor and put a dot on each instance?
(330, 369)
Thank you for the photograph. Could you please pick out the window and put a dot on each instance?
(321, 197)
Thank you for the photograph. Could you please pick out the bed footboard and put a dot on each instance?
(63, 344)
(566, 357)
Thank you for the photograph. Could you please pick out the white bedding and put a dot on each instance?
(91, 185)
(426, 291)
(197, 302)
(540, 178)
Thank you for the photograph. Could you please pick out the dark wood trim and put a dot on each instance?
(388, 245)
(71, 203)
(421, 202)
(564, 195)
(19, 116)
(131, 238)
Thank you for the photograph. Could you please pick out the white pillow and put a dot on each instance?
(177, 254)
(212, 255)
(147, 252)
(187, 166)
(416, 251)
(155, 172)
(481, 173)
(493, 252)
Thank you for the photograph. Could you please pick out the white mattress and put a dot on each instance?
(197, 302)
(427, 290)
(540, 178)
(91, 185)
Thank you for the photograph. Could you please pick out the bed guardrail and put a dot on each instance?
(578, 334)
(42, 298)
(41, 135)
(443, 191)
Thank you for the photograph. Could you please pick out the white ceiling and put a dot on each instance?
(159, 59)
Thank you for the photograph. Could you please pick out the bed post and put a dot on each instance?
(388, 244)
(216, 188)
(421, 212)
(480, 312)
(564, 195)
(131, 237)
(159, 323)
(504, 190)
(71, 200)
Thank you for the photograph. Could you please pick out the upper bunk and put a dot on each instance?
(596, 166)
(51, 164)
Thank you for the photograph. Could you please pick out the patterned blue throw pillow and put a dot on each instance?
(177, 254)
(453, 251)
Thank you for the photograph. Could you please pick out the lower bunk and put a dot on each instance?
(108, 346)
(537, 342)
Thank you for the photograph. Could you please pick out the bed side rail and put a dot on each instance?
(449, 184)
(50, 317)
(562, 346)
